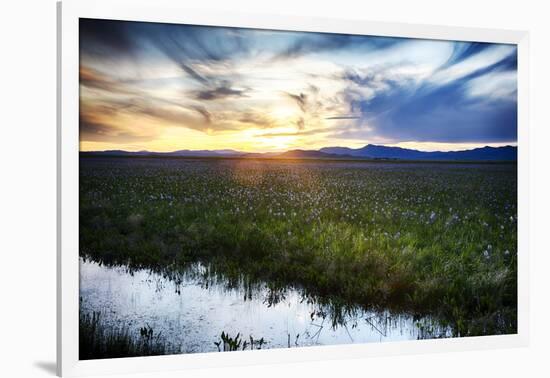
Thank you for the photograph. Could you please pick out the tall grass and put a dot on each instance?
(438, 240)
(97, 340)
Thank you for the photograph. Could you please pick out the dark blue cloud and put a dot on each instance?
(465, 50)
(438, 112)
(182, 44)
(198, 42)
(309, 43)
(105, 38)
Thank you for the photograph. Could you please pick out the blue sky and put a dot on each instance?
(165, 87)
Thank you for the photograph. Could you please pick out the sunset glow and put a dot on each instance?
(162, 87)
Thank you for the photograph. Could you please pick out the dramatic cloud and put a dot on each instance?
(442, 113)
(163, 86)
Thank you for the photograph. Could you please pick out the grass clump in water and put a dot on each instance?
(97, 340)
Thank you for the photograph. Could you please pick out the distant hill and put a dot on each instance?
(506, 153)
(178, 153)
(370, 151)
(200, 153)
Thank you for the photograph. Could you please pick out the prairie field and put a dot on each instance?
(428, 240)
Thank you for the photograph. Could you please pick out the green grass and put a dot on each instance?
(426, 239)
(98, 340)
(232, 344)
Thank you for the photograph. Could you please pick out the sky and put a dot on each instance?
(166, 87)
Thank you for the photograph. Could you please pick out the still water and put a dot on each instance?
(191, 315)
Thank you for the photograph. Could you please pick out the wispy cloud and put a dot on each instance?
(93, 79)
(310, 132)
(311, 43)
(222, 91)
(342, 117)
(300, 99)
(443, 113)
(253, 118)
(144, 82)
(465, 50)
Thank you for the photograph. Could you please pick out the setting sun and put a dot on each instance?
(179, 87)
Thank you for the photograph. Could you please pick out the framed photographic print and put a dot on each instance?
(238, 189)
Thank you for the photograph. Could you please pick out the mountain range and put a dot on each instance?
(368, 152)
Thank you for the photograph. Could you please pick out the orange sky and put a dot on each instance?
(168, 87)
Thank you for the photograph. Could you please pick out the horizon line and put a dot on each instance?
(509, 144)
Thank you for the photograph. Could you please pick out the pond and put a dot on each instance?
(192, 313)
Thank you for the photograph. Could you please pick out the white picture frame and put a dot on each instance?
(69, 13)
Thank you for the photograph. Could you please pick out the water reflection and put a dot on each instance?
(192, 309)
